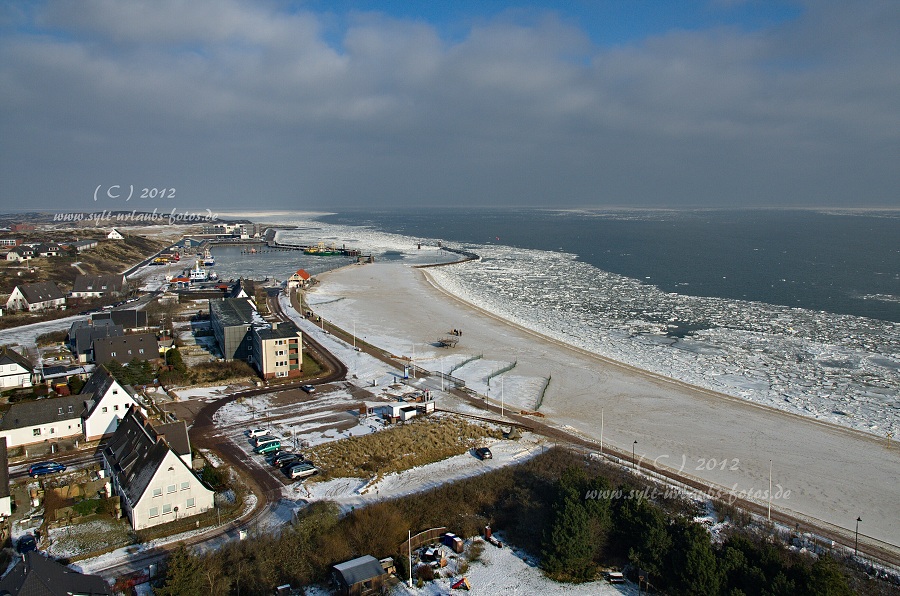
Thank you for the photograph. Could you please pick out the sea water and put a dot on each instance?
(793, 309)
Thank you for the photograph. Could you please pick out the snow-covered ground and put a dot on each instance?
(726, 441)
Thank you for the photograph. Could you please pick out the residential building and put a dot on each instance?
(21, 228)
(126, 348)
(300, 279)
(231, 320)
(115, 235)
(47, 249)
(36, 421)
(108, 403)
(83, 334)
(35, 574)
(81, 245)
(37, 296)
(94, 286)
(155, 484)
(277, 350)
(15, 369)
(10, 241)
(20, 253)
(130, 319)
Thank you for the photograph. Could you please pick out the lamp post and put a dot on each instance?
(856, 542)
(633, 462)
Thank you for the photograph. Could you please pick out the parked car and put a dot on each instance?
(269, 447)
(300, 470)
(45, 467)
(483, 453)
(262, 439)
(285, 459)
(256, 432)
(26, 543)
(308, 388)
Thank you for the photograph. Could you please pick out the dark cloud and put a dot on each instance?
(231, 102)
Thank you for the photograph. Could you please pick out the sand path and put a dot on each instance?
(833, 474)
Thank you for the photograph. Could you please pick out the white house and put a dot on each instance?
(156, 486)
(5, 500)
(37, 296)
(15, 369)
(37, 421)
(106, 405)
(94, 286)
(115, 235)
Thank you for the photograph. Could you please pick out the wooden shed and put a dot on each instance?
(359, 577)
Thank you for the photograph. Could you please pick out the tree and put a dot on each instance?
(184, 575)
(692, 564)
(826, 579)
(75, 385)
(568, 547)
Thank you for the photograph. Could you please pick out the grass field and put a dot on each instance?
(418, 442)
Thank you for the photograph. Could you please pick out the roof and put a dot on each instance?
(9, 356)
(359, 570)
(38, 575)
(284, 330)
(128, 318)
(124, 349)
(99, 283)
(232, 312)
(302, 274)
(98, 386)
(41, 292)
(176, 435)
(86, 336)
(43, 411)
(134, 454)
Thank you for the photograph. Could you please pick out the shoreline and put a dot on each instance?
(835, 473)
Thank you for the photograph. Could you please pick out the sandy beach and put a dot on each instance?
(818, 470)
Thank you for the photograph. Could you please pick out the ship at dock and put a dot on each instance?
(208, 260)
(320, 250)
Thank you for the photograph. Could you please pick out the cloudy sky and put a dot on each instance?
(320, 105)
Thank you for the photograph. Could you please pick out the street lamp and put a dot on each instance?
(633, 461)
(856, 543)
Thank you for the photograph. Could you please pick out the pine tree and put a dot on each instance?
(183, 575)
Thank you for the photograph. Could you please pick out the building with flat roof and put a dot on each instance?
(231, 320)
(277, 350)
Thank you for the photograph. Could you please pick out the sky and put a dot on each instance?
(319, 105)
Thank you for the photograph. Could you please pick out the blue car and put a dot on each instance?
(26, 543)
(45, 467)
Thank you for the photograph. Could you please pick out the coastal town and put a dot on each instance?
(158, 406)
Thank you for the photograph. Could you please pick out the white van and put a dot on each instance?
(256, 432)
(260, 441)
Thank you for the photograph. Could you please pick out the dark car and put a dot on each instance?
(284, 459)
(26, 543)
(483, 453)
(45, 467)
(308, 388)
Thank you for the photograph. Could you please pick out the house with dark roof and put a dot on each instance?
(20, 253)
(47, 249)
(37, 575)
(106, 403)
(359, 577)
(126, 348)
(81, 245)
(130, 319)
(83, 334)
(94, 286)
(37, 296)
(15, 369)
(40, 420)
(155, 484)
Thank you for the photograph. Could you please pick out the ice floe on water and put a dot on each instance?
(840, 368)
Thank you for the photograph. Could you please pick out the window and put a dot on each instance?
(190, 503)
(141, 351)
(157, 492)
(279, 352)
(113, 354)
(104, 410)
(37, 432)
(60, 410)
(115, 391)
(167, 509)
(116, 407)
(52, 430)
(70, 409)
(170, 488)
(154, 512)
(185, 485)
